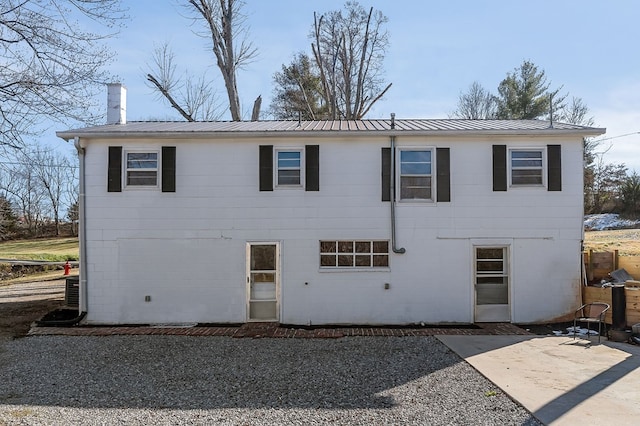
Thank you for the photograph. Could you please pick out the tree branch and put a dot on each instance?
(168, 96)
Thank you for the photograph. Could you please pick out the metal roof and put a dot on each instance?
(409, 127)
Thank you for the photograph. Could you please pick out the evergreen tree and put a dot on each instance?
(8, 219)
(525, 95)
(298, 91)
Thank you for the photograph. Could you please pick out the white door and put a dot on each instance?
(262, 281)
(491, 282)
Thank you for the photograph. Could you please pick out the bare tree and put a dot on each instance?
(51, 68)
(476, 103)
(603, 182)
(349, 47)
(224, 25)
(194, 98)
(576, 112)
(24, 190)
(41, 184)
(53, 171)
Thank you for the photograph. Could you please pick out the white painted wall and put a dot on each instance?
(186, 250)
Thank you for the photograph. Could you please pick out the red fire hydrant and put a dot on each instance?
(67, 268)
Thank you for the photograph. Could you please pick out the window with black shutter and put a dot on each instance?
(141, 169)
(289, 167)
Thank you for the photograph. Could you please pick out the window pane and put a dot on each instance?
(363, 260)
(345, 246)
(526, 154)
(263, 257)
(381, 246)
(492, 293)
(491, 280)
(485, 266)
(489, 253)
(381, 260)
(415, 188)
(142, 160)
(363, 246)
(415, 162)
(327, 260)
(345, 260)
(288, 159)
(415, 156)
(264, 277)
(288, 177)
(142, 178)
(526, 163)
(327, 246)
(526, 177)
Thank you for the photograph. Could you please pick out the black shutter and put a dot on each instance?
(114, 169)
(386, 174)
(266, 167)
(554, 168)
(443, 175)
(312, 167)
(499, 167)
(168, 169)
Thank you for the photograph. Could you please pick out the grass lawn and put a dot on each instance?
(626, 241)
(51, 249)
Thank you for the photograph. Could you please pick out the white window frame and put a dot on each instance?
(399, 174)
(542, 167)
(126, 168)
(277, 169)
(353, 254)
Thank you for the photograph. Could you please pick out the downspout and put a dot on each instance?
(392, 140)
(82, 230)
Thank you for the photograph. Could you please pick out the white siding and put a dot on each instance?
(186, 250)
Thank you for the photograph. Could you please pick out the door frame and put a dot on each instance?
(248, 279)
(493, 313)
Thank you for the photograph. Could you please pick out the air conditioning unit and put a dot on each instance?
(72, 292)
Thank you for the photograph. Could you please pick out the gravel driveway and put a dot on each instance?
(167, 380)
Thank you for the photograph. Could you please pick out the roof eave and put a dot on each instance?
(68, 135)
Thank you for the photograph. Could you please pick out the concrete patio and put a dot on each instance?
(561, 381)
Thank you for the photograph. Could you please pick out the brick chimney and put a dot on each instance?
(116, 103)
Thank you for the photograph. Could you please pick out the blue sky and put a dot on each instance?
(437, 49)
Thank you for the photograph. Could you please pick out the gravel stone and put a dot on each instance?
(173, 380)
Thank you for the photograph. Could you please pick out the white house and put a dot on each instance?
(330, 222)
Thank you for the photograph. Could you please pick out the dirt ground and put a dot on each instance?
(23, 303)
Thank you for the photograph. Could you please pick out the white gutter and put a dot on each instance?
(82, 229)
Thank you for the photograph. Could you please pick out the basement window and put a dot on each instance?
(354, 254)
